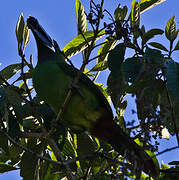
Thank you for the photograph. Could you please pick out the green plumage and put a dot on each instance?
(87, 109)
(84, 108)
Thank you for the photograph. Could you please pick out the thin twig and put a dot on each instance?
(170, 170)
(166, 150)
(22, 74)
(60, 158)
(32, 135)
(28, 150)
(85, 62)
(84, 38)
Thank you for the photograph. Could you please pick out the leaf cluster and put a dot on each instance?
(150, 75)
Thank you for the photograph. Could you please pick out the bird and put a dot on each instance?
(88, 109)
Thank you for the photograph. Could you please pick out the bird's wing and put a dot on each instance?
(72, 71)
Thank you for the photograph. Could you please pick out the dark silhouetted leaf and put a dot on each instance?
(177, 46)
(6, 167)
(174, 163)
(120, 13)
(158, 46)
(29, 162)
(132, 68)
(150, 34)
(115, 59)
(13, 128)
(9, 71)
(3, 97)
(116, 87)
(172, 69)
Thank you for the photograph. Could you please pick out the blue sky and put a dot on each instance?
(58, 18)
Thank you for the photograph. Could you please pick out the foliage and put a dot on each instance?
(150, 75)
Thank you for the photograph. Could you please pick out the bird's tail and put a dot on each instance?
(123, 143)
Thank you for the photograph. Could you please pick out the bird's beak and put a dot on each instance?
(39, 32)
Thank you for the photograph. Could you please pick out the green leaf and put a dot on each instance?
(101, 66)
(26, 35)
(4, 157)
(124, 12)
(174, 163)
(6, 167)
(143, 29)
(78, 44)
(13, 128)
(130, 45)
(164, 166)
(3, 97)
(85, 144)
(9, 71)
(27, 75)
(80, 17)
(115, 59)
(15, 100)
(132, 68)
(104, 50)
(166, 113)
(103, 90)
(147, 95)
(120, 13)
(170, 29)
(4, 143)
(48, 171)
(158, 46)
(30, 123)
(29, 162)
(116, 87)
(88, 73)
(152, 155)
(176, 47)
(14, 153)
(150, 34)
(135, 14)
(66, 146)
(154, 57)
(172, 75)
(148, 4)
(20, 29)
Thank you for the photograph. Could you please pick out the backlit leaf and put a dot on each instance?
(80, 17)
(148, 4)
(170, 29)
(20, 29)
(78, 44)
(135, 14)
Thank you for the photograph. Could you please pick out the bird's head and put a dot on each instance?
(44, 42)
